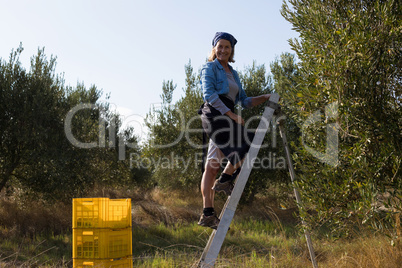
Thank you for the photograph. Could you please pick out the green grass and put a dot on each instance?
(254, 243)
(38, 251)
(163, 237)
(248, 243)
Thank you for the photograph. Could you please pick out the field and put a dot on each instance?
(165, 234)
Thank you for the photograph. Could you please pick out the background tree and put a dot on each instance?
(268, 168)
(35, 154)
(284, 72)
(175, 144)
(349, 57)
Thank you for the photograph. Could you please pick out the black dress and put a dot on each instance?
(231, 138)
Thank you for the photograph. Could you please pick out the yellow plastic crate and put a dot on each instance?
(101, 213)
(102, 243)
(101, 263)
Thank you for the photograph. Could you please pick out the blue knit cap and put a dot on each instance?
(226, 36)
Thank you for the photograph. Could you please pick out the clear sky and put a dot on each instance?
(127, 48)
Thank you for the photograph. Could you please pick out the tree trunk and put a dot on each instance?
(4, 182)
(6, 178)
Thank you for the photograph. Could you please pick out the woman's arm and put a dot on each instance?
(259, 99)
(208, 85)
(254, 102)
(248, 102)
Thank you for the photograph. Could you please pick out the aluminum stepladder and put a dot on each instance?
(217, 237)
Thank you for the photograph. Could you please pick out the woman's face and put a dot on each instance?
(223, 50)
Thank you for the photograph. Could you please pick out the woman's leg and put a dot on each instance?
(208, 179)
(230, 169)
(208, 216)
(225, 182)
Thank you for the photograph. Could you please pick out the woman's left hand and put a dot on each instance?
(260, 99)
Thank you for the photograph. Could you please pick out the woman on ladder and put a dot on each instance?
(228, 138)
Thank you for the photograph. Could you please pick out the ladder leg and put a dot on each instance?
(298, 198)
(211, 237)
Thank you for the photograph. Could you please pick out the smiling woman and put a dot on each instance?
(222, 49)
(222, 90)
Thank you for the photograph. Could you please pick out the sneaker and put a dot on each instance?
(226, 187)
(209, 221)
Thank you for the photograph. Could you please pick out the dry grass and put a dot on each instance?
(33, 218)
(371, 251)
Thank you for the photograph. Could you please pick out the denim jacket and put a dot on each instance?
(214, 83)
